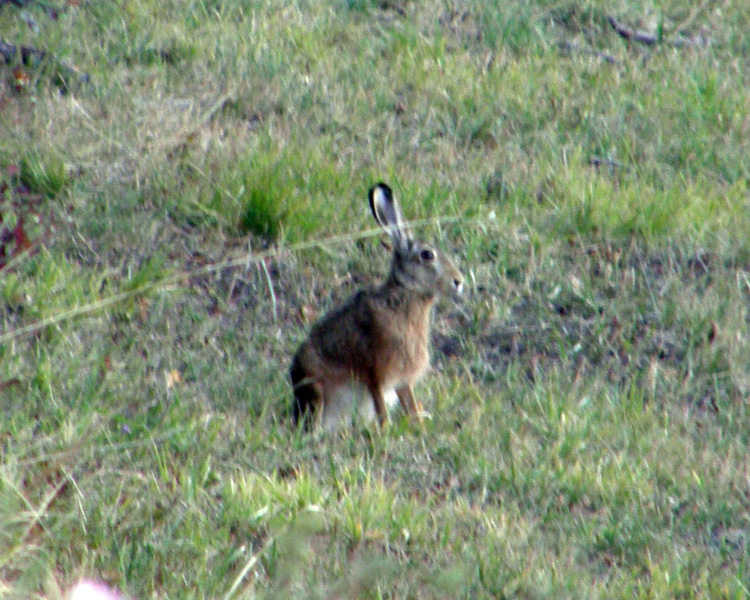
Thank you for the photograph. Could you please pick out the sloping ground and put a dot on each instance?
(171, 228)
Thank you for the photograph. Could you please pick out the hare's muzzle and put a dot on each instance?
(453, 280)
(457, 284)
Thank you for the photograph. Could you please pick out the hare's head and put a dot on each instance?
(416, 266)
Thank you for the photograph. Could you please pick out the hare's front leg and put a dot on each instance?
(381, 410)
(412, 406)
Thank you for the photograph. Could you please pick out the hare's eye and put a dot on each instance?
(427, 255)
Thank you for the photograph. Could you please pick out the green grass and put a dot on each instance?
(202, 198)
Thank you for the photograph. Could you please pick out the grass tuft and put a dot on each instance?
(44, 173)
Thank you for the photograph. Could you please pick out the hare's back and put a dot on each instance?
(345, 336)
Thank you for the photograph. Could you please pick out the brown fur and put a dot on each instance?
(378, 340)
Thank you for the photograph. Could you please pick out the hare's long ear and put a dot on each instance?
(387, 213)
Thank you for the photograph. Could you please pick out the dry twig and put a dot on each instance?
(631, 35)
(649, 39)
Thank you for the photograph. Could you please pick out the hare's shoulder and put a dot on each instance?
(359, 312)
(346, 333)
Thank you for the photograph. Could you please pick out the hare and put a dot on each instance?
(366, 354)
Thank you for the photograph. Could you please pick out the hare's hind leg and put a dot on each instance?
(411, 405)
(308, 397)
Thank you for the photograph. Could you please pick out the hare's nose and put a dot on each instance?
(458, 284)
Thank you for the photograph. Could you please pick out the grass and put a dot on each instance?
(191, 209)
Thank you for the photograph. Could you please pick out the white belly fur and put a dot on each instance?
(351, 402)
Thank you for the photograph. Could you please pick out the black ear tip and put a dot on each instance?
(387, 192)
